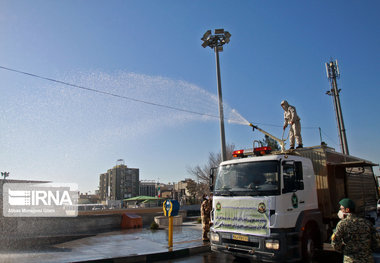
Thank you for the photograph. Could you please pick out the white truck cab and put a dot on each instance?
(269, 207)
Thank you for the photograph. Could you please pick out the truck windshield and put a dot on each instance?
(253, 178)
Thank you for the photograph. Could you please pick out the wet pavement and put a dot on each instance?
(133, 245)
(126, 245)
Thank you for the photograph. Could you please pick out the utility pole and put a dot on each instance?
(216, 42)
(332, 71)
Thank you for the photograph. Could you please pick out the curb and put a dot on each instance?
(185, 252)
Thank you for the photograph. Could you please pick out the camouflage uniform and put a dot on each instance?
(206, 208)
(356, 238)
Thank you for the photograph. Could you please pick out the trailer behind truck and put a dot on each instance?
(282, 206)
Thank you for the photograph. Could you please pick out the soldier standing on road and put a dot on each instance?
(355, 237)
(206, 208)
(291, 117)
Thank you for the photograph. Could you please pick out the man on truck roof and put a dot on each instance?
(291, 117)
(355, 237)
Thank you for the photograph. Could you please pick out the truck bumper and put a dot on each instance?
(289, 249)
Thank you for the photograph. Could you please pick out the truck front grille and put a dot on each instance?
(240, 243)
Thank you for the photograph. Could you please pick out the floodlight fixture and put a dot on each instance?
(219, 31)
(205, 44)
(206, 35)
(220, 38)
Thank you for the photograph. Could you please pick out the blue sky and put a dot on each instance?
(151, 51)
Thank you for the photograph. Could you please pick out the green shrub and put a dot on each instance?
(199, 220)
(154, 226)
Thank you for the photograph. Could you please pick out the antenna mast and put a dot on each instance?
(332, 71)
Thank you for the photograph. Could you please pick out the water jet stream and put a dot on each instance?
(232, 115)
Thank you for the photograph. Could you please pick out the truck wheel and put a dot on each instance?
(309, 245)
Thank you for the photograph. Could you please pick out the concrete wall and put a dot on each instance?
(55, 226)
(52, 226)
(163, 221)
(88, 223)
(192, 210)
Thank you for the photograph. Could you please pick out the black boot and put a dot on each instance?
(299, 146)
(291, 148)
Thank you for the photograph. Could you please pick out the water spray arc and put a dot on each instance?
(216, 42)
(232, 115)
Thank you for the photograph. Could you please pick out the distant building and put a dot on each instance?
(165, 190)
(180, 191)
(88, 198)
(103, 186)
(148, 188)
(119, 183)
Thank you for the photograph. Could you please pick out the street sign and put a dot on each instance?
(170, 207)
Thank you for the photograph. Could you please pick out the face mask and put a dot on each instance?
(341, 214)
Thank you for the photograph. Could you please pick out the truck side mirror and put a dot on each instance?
(212, 177)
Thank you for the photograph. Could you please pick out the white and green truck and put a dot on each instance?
(282, 206)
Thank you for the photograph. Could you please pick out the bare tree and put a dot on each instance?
(268, 141)
(201, 173)
(192, 187)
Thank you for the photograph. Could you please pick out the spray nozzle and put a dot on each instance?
(253, 126)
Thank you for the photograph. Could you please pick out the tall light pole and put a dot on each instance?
(332, 71)
(216, 42)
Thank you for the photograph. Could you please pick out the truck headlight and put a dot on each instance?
(272, 244)
(214, 237)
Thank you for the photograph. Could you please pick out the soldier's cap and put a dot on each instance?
(347, 203)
